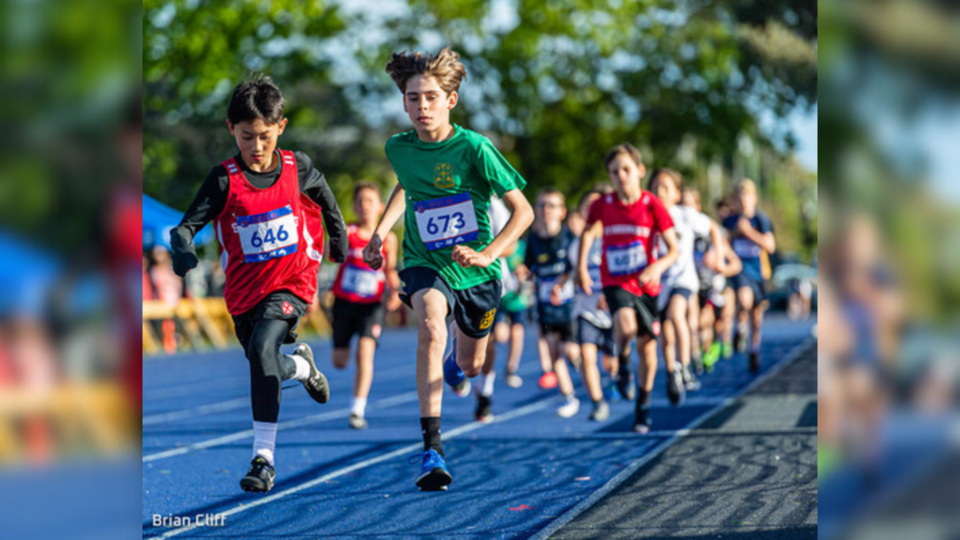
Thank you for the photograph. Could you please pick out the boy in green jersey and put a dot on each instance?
(446, 175)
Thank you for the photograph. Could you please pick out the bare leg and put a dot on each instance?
(591, 374)
(430, 305)
(364, 376)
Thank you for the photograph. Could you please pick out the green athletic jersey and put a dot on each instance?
(465, 164)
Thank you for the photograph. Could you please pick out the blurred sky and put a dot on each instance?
(804, 126)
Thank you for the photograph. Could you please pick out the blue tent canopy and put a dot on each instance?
(159, 219)
(28, 274)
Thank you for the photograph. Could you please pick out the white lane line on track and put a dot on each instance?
(416, 447)
(290, 424)
(184, 414)
(626, 473)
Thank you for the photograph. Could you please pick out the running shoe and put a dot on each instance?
(358, 422)
(513, 380)
(484, 414)
(690, 381)
(712, 356)
(600, 412)
(675, 387)
(434, 475)
(452, 374)
(754, 362)
(260, 476)
(728, 350)
(570, 408)
(548, 380)
(626, 386)
(741, 340)
(316, 384)
(613, 393)
(697, 362)
(641, 420)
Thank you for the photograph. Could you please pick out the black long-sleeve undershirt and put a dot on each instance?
(212, 197)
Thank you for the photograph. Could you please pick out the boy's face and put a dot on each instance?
(427, 105)
(665, 190)
(748, 200)
(691, 201)
(257, 140)
(625, 173)
(550, 210)
(367, 205)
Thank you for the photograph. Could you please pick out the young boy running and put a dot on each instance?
(446, 175)
(263, 202)
(548, 259)
(628, 222)
(594, 325)
(751, 235)
(680, 280)
(358, 297)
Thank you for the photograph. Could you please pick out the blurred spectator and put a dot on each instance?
(169, 290)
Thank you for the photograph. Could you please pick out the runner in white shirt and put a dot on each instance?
(680, 281)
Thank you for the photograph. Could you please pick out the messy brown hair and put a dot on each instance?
(624, 148)
(364, 184)
(445, 67)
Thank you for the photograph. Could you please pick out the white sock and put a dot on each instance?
(486, 386)
(264, 440)
(303, 367)
(359, 406)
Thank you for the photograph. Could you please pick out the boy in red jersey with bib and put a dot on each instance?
(628, 221)
(267, 206)
(358, 297)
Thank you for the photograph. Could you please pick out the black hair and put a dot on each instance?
(256, 97)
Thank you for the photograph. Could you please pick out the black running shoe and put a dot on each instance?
(625, 384)
(754, 362)
(483, 413)
(641, 420)
(675, 387)
(260, 476)
(316, 383)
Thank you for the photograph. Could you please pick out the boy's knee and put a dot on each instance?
(433, 330)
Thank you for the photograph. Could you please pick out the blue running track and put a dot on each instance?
(511, 479)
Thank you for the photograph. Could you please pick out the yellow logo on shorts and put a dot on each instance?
(443, 176)
(488, 319)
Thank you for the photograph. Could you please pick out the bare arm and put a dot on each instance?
(653, 272)
(396, 206)
(520, 219)
(765, 240)
(586, 242)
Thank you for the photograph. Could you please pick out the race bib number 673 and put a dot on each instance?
(446, 221)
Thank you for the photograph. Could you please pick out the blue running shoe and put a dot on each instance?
(434, 475)
(452, 374)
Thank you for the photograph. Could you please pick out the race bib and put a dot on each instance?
(545, 289)
(446, 221)
(626, 259)
(360, 281)
(268, 236)
(746, 248)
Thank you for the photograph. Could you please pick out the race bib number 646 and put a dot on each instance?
(268, 235)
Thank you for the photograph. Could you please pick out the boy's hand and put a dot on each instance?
(585, 283)
(649, 276)
(394, 302)
(522, 272)
(373, 253)
(467, 257)
(555, 294)
(744, 225)
(184, 262)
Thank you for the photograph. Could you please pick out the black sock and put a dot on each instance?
(430, 428)
(643, 397)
